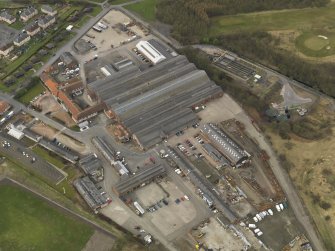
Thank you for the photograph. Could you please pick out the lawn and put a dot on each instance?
(32, 92)
(82, 21)
(297, 19)
(146, 9)
(29, 223)
(47, 157)
(10, 68)
(115, 2)
(310, 44)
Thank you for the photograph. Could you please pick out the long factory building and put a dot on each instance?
(157, 102)
(224, 144)
(147, 175)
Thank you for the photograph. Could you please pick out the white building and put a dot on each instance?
(150, 52)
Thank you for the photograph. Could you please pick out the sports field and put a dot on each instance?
(316, 44)
(29, 223)
(309, 22)
(146, 9)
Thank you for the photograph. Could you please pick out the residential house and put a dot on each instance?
(21, 39)
(47, 9)
(6, 17)
(6, 49)
(32, 28)
(46, 21)
(28, 13)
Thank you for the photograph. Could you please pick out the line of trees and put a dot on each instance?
(191, 18)
(262, 47)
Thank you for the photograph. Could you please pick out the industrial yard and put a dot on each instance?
(146, 140)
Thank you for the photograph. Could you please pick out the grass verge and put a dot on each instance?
(31, 93)
(24, 227)
(146, 9)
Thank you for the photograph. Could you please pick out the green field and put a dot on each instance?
(309, 22)
(146, 9)
(29, 223)
(31, 93)
(115, 2)
(301, 19)
(56, 161)
(310, 44)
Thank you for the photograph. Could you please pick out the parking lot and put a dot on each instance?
(150, 195)
(176, 214)
(30, 160)
(114, 30)
(283, 222)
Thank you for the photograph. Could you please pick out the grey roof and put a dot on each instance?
(93, 197)
(20, 37)
(90, 164)
(215, 154)
(47, 8)
(6, 15)
(68, 58)
(139, 178)
(68, 155)
(45, 20)
(32, 26)
(28, 11)
(105, 148)
(234, 153)
(156, 102)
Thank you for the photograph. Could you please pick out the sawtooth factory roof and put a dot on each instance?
(157, 102)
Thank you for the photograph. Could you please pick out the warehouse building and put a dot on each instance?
(145, 176)
(158, 102)
(215, 155)
(106, 149)
(224, 144)
(94, 197)
(92, 167)
(150, 52)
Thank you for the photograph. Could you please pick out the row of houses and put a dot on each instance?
(27, 14)
(31, 30)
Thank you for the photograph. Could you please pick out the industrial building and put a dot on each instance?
(121, 168)
(215, 155)
(63, 93)
(92, 167)
(157, 102)
(106, 149)
(142, 177)
(150, 52)
(94, 197)
(224, 144)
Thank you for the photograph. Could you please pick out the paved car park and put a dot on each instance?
(30, 160)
